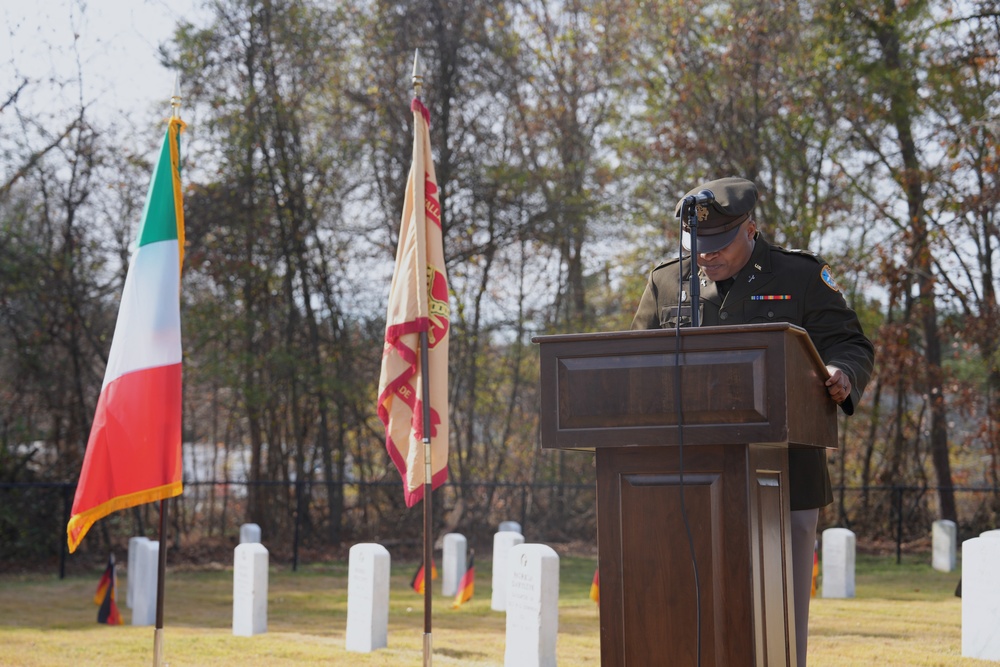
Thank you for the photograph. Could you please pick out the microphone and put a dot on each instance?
(690, 221)
(703, 197)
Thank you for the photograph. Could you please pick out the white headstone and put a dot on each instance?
(990, 534)
(250, 590)
(511, 526)
(367, 598)
(249, 533)
(839, 546)
(944, 541)
(532, 606)
(981, 598)
(452, 563)
(130, 573)
(147, 561)
(502, 544)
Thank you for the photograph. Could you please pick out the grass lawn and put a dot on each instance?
(903, 615)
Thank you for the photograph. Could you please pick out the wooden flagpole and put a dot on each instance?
(161, 567)
(428, 491)
(418, 81)
(161, 571)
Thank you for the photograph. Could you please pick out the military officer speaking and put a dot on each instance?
(743, 279)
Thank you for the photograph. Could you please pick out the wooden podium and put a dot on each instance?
(694, 426)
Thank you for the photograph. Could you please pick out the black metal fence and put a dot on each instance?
(900, 517)
(297, 521)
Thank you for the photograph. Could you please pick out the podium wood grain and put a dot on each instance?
(745, 394)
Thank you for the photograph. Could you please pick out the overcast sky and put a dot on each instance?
(109, 45)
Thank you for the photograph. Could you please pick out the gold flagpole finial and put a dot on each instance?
(175, 99)
(418, 78)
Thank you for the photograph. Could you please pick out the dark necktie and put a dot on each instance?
(724, 285)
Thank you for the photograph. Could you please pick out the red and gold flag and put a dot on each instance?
(595, 587)
(134, 452)
(418, 302)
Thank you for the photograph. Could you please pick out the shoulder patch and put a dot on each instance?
(827, 275)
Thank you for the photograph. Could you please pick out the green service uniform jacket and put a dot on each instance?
(802, 292)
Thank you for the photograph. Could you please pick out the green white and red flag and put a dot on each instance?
(418, 302)
(134, 452)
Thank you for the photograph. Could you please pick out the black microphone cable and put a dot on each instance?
(678, 392)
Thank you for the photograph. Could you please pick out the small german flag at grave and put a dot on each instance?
(107, 591)
(417, 583)
(467, 585)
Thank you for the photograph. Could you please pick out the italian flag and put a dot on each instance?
(134, 452)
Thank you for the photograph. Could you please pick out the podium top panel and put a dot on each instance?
(744, 384)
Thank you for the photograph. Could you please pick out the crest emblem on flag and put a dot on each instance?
(439, 309)
(418, 306)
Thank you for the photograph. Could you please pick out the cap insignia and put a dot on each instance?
(702, 212)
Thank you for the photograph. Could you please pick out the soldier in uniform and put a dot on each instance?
(745, 280)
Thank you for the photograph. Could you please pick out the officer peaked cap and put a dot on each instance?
(719, 220)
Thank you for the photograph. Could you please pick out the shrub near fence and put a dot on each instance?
(902, 515)
(295, 518)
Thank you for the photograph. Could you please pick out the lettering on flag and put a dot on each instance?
(417, 305)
